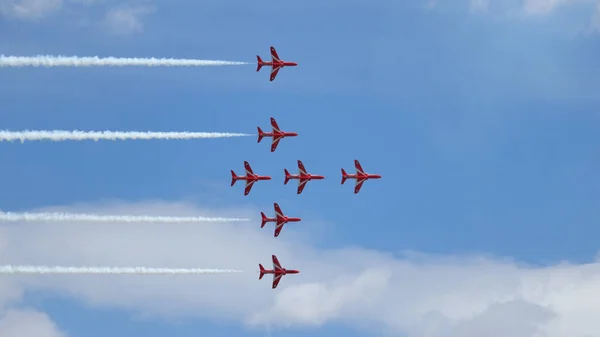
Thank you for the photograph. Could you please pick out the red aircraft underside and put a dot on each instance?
(277, 271)
(277, 134)
(276, 63)
(250, 178)
(279, 219)
(361, 176)
(302, 176)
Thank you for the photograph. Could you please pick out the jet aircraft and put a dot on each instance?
(276, 63)
(277, 134)
(279, 219)
(250, 178)
(302, 176)
(360, 176)
(277, 271)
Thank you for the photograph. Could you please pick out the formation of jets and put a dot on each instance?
(303, 176)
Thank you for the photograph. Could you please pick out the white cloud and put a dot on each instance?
(28, 324)
(83, 2)
(29, 9)
(423, 296)
(479, 5)
(124, 19)
(128, 19)
(541, 7)
(595, 21)
(584, 19)
(527, 7)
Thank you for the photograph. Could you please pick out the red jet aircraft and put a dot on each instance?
(279, 219)
(276, 63)
(277, 134)
(360, 176)
(250, 178)
(277, 271)
(302, 177)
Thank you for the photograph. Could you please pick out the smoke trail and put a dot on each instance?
(75, 61)
(60, 135)
(56, 216)
(111, 270)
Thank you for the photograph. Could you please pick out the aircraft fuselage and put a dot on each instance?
(306, 177)
(279, 64)
(253, 178)
(363, 176)
(281, 271)
(282, 134)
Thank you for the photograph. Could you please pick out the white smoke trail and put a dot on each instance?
(81, 217)
(61, 135)
(95, 61)
(9, 269)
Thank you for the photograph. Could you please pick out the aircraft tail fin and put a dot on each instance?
(344, 176)
(287, 176)
(260, 63)
(233, 178)
(262, 271)
(264, 219)
(260, 134)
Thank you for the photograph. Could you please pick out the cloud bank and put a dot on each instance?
(119, 18)
(27, 323)
(127, 19)
(414, 294)
(29, 9)
(543, 7)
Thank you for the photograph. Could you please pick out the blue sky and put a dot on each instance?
(481, 117)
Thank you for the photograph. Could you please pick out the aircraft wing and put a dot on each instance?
(278, 228)
(275, 142)
(301, 169)
(274, 56)
(359, 169)
(276, 279)
(276, 267)
(276, 264)
(278, 212)
(274, 72)
(301, 184)
(249, 184)
(359, 183)
(274, 125)
(248, 169)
